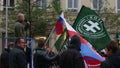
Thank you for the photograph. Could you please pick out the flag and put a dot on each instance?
(59, 24)
(91, 27)
(91, 57)
(60, 41)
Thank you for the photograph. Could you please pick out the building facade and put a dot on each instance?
(72, 5)
(98, 5)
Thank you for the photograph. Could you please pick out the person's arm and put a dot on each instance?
(49, 57)
(27, 25)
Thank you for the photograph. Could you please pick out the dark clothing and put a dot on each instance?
(4, 59)
(17, 58)
(42, 59)
(118, 52)
(113, 61)
(28, 53)
(71, 58)
(29, 56)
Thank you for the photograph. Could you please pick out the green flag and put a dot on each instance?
(91, 27)
(60, 41)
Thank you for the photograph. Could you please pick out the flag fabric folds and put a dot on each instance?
(91, 57)
(91, 27)
(59, 24)
(60, 41)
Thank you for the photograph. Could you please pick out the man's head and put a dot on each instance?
(75, 42)
(11, 45)
(21, 42)
(21, 16)
(111, 48)
(41, 43)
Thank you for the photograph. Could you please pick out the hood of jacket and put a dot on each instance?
(115, 60)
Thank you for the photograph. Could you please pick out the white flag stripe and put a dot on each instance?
(68, 26)
(62, 15)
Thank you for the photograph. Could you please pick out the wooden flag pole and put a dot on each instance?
(50, 35)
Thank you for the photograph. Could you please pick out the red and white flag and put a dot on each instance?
(59, 24)
(91, 57)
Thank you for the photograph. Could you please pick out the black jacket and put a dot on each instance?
(4, 59)
(42, 59)
(71, 58)
(113, 61)
(17, 58)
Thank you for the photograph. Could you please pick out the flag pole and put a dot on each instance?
(30, 31)
(6, 36)
(50, 35)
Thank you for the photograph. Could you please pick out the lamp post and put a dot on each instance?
(30, 35)
(6, 33)
(29, 12)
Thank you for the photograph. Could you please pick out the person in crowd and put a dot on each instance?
(72, 58)
(29, 54)
(4, 58)
(17, 57)
(21, 26)
(43, 57)
(118, 52)
(113, 58)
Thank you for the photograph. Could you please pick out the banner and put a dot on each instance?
(91, 27)
(91, 57)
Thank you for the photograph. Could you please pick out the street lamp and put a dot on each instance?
(6, 35)
(30, 32)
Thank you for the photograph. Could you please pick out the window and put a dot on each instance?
(98, 5)
(72, 5)
(1, 5)
(118, 6)
(41, 3)
(11, 4)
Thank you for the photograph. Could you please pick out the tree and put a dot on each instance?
(111, 20)
(42, 20)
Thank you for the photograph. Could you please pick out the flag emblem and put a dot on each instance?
(90, 26)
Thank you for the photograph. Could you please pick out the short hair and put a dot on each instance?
(112, 46)
(75, 42)
(41, 42)
(20, 14)
(18, 40)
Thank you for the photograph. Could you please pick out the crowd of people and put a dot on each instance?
(15, 55)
